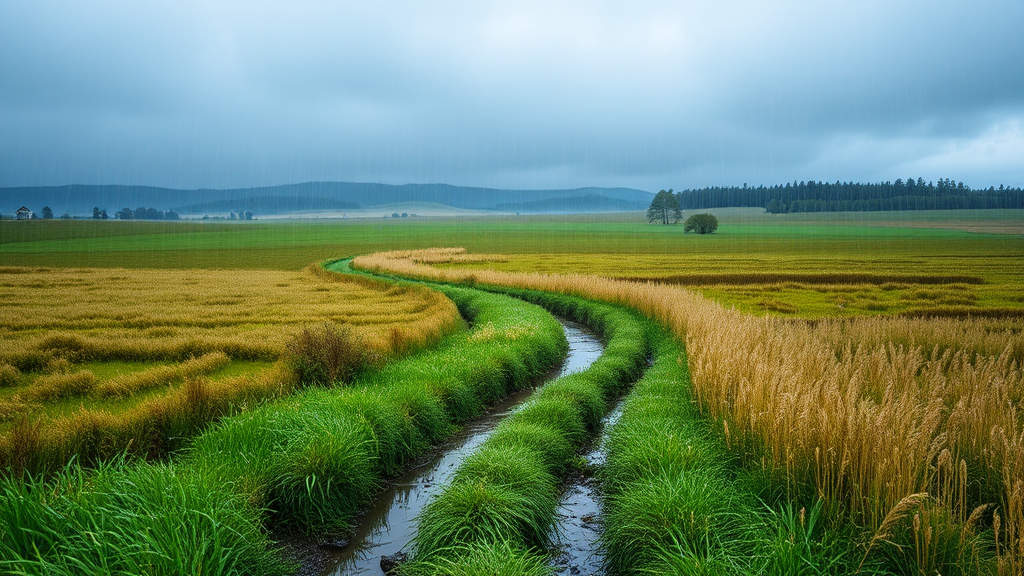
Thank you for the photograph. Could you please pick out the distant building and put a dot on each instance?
(24, 213)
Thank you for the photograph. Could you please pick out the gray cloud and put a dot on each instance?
(541, 94)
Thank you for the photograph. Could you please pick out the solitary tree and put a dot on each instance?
(664, 207)
(701, 224)
(47, 213)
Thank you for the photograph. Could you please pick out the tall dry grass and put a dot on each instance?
(150, 429)
(202, 319)
(133, 383)
(865, 412)
(92, 314)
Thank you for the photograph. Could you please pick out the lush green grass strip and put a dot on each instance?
(502, 501)
(130, 519)
(315, 459)
(676, 503)
(311, 460)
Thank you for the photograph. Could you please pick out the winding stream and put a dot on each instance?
(389, 524)
(577, 551)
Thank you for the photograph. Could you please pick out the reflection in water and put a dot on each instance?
(389, 525)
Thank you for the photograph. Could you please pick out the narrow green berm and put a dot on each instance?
(495, 516)
(675, 502)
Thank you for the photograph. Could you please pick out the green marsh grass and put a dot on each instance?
(494, 559)
(130, 519)
(316, 458)
(504, 496)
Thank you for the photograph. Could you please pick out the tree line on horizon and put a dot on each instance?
(811, 196)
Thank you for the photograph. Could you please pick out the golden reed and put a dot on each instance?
(870, 412)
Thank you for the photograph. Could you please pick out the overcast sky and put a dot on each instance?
(544, 94)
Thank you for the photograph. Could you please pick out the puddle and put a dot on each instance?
(389, 525)
(576, 533)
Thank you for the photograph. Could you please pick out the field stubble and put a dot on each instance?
(866, 413)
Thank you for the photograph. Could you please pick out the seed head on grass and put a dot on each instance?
(9, 375)
(326, 354)
(62, 385)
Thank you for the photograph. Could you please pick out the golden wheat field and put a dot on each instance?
(92, 356)
(886, 417)
(811, 285)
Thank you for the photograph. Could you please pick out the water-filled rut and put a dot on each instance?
(576, 550)
(389, 524)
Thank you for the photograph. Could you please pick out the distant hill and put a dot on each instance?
(312, 196)
(575, 204)
(269, 205)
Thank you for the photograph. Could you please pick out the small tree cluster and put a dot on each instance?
(325, 354)
(701, 224)
(664, 208)
(141, 213)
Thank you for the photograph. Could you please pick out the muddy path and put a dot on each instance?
(389, 524)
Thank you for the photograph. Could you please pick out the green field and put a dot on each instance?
(987, 246)
(744, 233)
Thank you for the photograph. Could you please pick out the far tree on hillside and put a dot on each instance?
(701, 224)
(664, 208)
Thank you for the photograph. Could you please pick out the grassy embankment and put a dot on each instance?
(309, 461)
(907, 427)
(96, 362)
(496, 513)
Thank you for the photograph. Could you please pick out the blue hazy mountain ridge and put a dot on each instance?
(311, 196)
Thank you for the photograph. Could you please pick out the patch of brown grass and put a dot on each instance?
(91, 314)
(151, 429)
(202, 319)
(129, 384)
(61, 385)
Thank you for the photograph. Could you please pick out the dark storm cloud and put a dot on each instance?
(541, 94)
